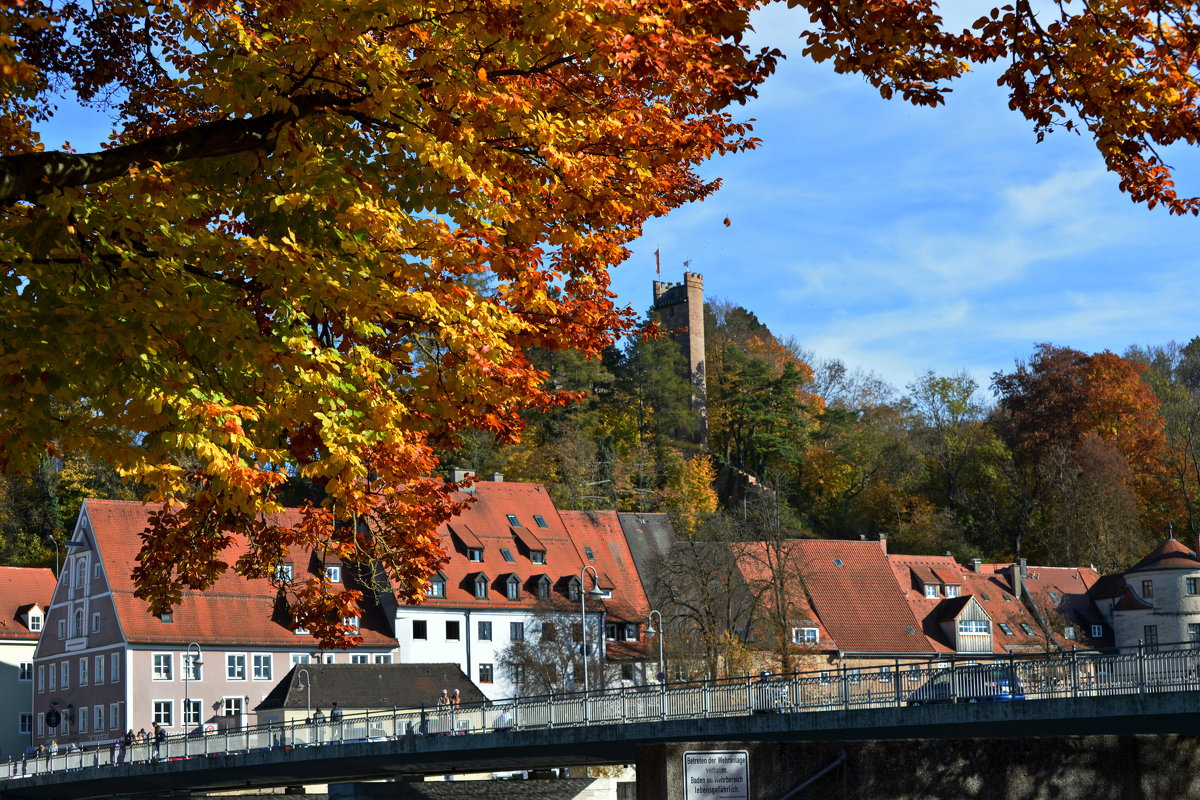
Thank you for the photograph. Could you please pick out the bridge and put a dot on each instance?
(1069, 695)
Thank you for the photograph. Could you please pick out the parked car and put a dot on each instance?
(983, 683)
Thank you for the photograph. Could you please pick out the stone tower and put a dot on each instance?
(680, 308)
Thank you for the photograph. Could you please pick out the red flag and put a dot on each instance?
(657, 264)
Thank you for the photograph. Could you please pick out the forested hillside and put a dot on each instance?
(1068, 458)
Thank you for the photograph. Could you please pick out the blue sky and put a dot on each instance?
(902, 239)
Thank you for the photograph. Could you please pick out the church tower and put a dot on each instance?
(680, 308)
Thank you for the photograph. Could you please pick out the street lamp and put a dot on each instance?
(595, 592)
(650, 631)
(308, 689)
(189, 665)
(68, 545)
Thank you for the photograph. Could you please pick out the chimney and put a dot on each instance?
(458, 475)
(1024, 567)
(1017, 572)
(498, 477)
(977, 565)
(883, 543)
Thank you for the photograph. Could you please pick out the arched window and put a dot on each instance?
(77, 623)
(81, 574)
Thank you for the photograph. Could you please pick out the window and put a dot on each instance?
(1190, 583)
(191, 713)
(453, 630)
(162, 667)
(1097, 631)
(540, 520)
(590, 553)
(951, 591)
(475, 554)
(301, 658)
(1007, 631)
(351, 623)
(517, 673)
(420, 629)
(77, 620)
(383, 658)
(98, 717)
(96, 570)
(99, 669)
(83, 671)
(1147, 589)
(41, 680)
(1054, 598)
(806, 636)
(1028, 630)
(537, 556)
(507, 555)
(485, 631)
(436, 588)
(631, 632)
(163, 713)
(96, 622)
(931, 590)
(114, 716)
(573, 589)
(167, 617)
(53, 678)
(301, 631)
(512, 588)
(549, 633)
(1151, 636)
(885, 674)
(191, 665)
(610, 632)
(481, 587)
(82, 717)
(333, 573)
(837, 562)
(231, 706)
(485, 673)
(284, 572)
(512, 520)
(62, 629)
(974, 627)
(114, 667)
(1194, 633)
(1069, 632)
(516, 631)
(627, 672)
(81, 575)
(262, 666)
(64, 676)
(26, 671)
(360, 658)
(542, 588)
(25, 726)
(35, 621)
(235, 666)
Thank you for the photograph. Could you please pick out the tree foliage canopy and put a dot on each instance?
(321, 240)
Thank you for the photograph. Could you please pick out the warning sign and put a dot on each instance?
(716, 775)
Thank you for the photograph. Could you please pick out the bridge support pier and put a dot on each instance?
(1141, 767)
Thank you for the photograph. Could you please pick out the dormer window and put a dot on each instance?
(512, 520)
(35, 620)
(574, 587)
(537, 556)
(512, 588)
(351, 623)
(436, 586)
(481, 587)
(540, 520)
(542, 588)
(333, 573)
(951, 591)
(475, 554)
(284, 572)
(931, 590)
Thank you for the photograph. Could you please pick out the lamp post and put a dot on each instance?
(650, 631)
(69, 546)
(308, 689)
(190, 664)
(595, 592)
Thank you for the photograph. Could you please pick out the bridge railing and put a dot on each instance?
(980, 678)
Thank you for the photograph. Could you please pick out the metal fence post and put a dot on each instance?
(704, 699)
(1141, 668)
(845, 680)
(550, 711)
(1074, 674)
(896, 683)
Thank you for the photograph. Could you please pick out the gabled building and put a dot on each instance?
(1156, 602)
(24, 597)
(517, 563)
(105, 665)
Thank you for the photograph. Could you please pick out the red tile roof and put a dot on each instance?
(21, 588)
(1171, 554)
(601, 532)
(234, 610)
(858, 600)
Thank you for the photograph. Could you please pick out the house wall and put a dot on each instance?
(1174, 609)
(16, 696)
